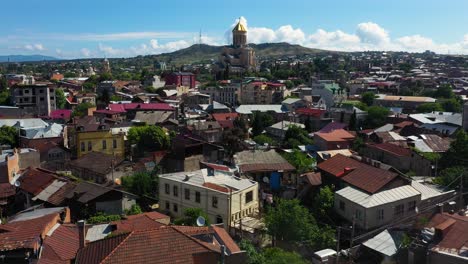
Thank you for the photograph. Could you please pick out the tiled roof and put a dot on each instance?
(226, 239)
(137, 223)
(393, 149)
(26, 233)
(336, 135)
(358, 174)
(61, 245)
(160, 245)
(225, 116)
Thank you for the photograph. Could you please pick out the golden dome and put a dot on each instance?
(240, 27)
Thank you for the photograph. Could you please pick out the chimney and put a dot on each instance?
(82, 233)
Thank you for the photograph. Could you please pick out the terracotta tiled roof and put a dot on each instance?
(62, 245)
(225, 116)
(150, 215)
(25, 234)
(358, 174)
(336, 135)
(160, 245)
(226, 239)
(393, 149)
(136, 223)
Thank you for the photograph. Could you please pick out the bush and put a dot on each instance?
(262, 139)
(101, 218)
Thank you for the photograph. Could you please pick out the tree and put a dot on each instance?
(232, 139)
(376, 116)
(301, 161)
(358, 144)
(190, 217)
(429, 107)
(451, 105)
(264, 139)
(450, 176)
(308, 125)
(82, 109)
(444, 91)
(289, 221)
(260, 122)
(323, 202)
(101, 218)
(9, 136)
(368, 98)
(457, 154)
(134, 210)
(3, 83)
(5, 97)
(279, 256)
(141, 183)
(298, 134)
(149, 137)
(60, 98)
(254, 256)
(289, 84)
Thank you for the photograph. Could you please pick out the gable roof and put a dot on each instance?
(61, 245)
(332, 126)
(97, 162)
(161, 245)
(392, 148)
(336, 135)
(259, 160)
(35, 180)
(358, 174)
(454, 238)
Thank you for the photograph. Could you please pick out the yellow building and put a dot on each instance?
(100, 141)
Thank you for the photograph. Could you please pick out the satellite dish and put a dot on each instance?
(17, 184)
(266, 180)
(201, 221)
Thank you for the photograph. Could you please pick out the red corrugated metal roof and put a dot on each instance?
(362, 176)
(310, 111)
(216, 187)
(455, 237)
(35, 180)
(216, 166)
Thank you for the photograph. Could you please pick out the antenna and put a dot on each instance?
(201, 221)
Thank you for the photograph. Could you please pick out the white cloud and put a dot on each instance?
(34, 47)
(334, 40)
(372, 33)
(415, 43)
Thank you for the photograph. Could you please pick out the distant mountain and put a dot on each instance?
(24, 58)
(204, 52)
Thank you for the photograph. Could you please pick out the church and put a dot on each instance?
(237, 58)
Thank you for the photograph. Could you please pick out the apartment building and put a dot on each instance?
(225, 198)
(37, 99)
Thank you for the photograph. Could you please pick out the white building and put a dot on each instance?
(222, 94)
(225, 198)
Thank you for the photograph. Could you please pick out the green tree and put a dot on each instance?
(3, 83)
(429, 107)
(368, 98)
(450, 176)
(297, 133)
(353, 121)
(289, 84)
(358, 144)
(190, 217)
(232, 140)
(149, 137)
(260, 122)
(308, 125)
(323, 202)
(279, 256)
(301, 161)
(5, 97)
(60, 98)
(264, 139)
(289, 221)
(451, 105)
(134, 210)
(376, 116)
(457, 154)
(9, 136)
(101, 218)
(254, 255)
(82, 109)
(444, 91)
(141, 183)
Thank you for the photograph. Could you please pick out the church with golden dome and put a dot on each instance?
(237, 58)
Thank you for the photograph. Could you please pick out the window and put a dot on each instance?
(358, 215)
(380, 214)
(214, 202)
(114, 143)
(399, 210)
(90, 146)
(41, 99)
(168, 206)
(197, 197)
(412, 206)
(187, 194)
(342, 206)
(248, 197)
(83, 147)
(175, 191)
(104, 144)
(167, 188)
(41, 90)
(175, 208)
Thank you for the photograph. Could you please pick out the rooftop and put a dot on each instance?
(384, 197)
(259, 160)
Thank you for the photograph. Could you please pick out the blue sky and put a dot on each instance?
(72, 29)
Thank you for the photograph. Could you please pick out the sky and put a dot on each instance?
(103, 28)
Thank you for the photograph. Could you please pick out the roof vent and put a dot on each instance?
(187, 177)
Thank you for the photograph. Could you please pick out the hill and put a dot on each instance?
(205, 53)
(24, 58)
